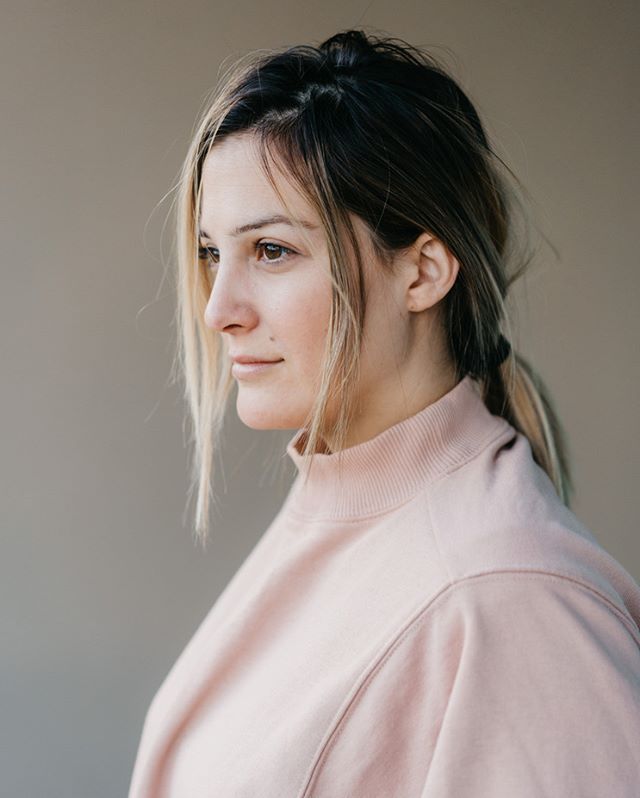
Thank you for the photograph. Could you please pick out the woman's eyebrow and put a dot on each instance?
(274, 219)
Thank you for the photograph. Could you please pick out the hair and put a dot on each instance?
(370, 126)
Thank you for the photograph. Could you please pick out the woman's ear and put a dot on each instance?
(431, 270)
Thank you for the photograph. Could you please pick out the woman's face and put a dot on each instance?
(271, 300)
(271, 297)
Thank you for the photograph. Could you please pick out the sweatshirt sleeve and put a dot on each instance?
(544, 698)
(507, 684)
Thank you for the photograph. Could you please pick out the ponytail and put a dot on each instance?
(513, 389)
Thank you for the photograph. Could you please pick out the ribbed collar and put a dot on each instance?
(391, 468)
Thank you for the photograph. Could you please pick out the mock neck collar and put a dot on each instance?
(392, 467)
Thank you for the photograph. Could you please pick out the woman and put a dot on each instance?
(425, 616)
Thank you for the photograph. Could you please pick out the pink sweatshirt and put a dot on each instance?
(431, 623)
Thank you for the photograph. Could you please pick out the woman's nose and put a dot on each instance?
(229, 302)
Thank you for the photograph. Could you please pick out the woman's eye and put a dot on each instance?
(273, 253)
(272, 249)
(206, 253)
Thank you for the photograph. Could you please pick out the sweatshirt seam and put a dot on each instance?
(429, 502)
(436, 539)
(367, 676)
(423, 488)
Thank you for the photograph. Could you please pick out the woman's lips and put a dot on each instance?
(252, 369)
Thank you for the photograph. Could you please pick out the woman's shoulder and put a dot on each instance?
(500, 512)
(492, 684)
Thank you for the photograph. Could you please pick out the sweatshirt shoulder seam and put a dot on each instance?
(377, 663)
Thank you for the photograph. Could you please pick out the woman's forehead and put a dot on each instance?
(233, 177)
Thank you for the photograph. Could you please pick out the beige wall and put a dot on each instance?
(101, 582)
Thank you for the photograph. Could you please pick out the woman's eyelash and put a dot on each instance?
(206, 253)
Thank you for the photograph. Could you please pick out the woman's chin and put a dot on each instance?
(258, 412)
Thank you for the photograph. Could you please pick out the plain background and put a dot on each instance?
(102, 584)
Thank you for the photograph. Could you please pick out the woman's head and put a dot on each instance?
(398, 282)
(271, 299)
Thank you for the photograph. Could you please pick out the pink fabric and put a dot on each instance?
(429, 622)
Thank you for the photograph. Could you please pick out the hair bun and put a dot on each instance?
(347, 47)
